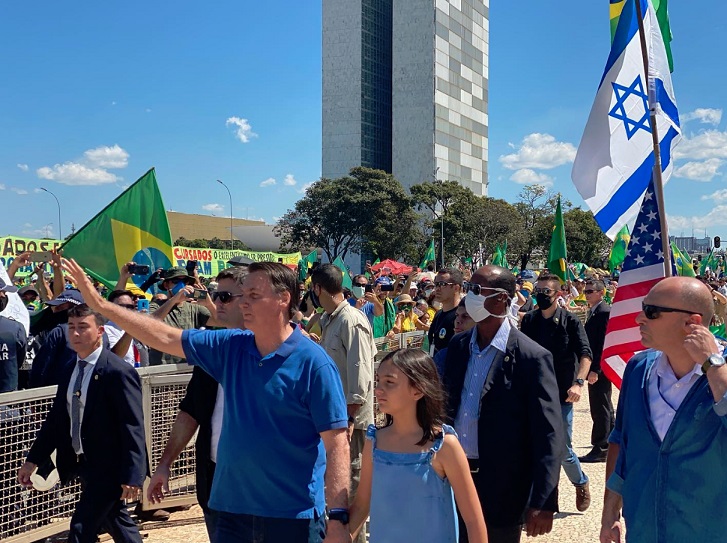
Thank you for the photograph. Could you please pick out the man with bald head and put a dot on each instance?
(666, 458)
(503, 400)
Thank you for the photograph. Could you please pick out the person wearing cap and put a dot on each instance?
(29, 295)
(406, 319)
(13, 342)
(383, 323)
(526, 291)
(181, 312)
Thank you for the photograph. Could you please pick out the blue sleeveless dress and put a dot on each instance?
(410, 502)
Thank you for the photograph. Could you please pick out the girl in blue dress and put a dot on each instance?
(414, 467)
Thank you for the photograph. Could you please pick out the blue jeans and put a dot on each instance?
(239, 528)
(571, 465)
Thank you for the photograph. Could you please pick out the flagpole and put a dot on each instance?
(658, 181)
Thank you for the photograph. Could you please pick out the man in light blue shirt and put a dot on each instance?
(666, 465)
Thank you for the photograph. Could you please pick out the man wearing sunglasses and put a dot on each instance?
(283, 454)
(666, 461)
(502, 397)
(448, 291)
(202, 407)
(599, 387)
(562, 334)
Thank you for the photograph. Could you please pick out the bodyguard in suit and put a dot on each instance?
(96, 426)
(503, 400)
(599, 387)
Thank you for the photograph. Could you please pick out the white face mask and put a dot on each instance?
(475, 305)
(358, 292)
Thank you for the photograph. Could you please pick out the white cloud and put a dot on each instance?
(289, 180)
(37, 191)
(243, 132)
(113, 103)
(527, 176)
(716, 217)
(107, 157)
(304, 188)
(21, 192)
(23, 167)
(717, 197)
(45, 231)
(73, 173)
(706, 144)
(2, 187)
(213, 208)
(539, 151)
(27, 225)
(700, 171)
(704, 115)
(269, 182)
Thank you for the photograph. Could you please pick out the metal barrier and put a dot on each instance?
(29, 515)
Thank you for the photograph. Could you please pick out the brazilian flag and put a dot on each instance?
(133, 227)
(346, 279)
(558, 254)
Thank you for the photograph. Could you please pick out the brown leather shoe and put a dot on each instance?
(583, 497)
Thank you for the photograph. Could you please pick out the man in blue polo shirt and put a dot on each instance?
(284, 431)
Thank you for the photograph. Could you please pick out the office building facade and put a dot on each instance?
(405, 89)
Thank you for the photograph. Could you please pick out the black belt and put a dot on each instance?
(474, 465)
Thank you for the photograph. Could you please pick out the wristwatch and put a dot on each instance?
(580, 382)
(341, 515)
(713, 360)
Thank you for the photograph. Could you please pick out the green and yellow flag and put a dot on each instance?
(305, 264)
(347, 283)
(618, 251)
(710, 262)
(682, 262)
(662, 16)
(133, 227)
(558, 254)
(496, 258)
(429, 256)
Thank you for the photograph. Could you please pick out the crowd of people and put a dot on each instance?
(477, 422)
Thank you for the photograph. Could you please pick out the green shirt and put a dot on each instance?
(186, 316)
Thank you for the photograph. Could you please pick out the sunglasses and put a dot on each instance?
(440, 284)
(589, 291)
(474, 288)
(653, 311)
(547, 291)
(223, 296)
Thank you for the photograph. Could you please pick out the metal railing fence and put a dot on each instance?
(28, 515)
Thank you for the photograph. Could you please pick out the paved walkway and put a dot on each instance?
(570, 525)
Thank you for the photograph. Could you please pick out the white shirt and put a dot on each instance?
(667, 393)
(87, 372)
(114, 333)
(217, 423)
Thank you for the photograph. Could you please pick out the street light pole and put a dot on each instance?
(232, 243)
(60, 228)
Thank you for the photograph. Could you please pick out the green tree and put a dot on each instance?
(536, 207)
(366, 211)
(586, 241)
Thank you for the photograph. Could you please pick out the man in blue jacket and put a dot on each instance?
(670, 438)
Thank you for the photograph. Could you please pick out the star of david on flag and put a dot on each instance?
(643, 268)
(619, 112)
(615, 158)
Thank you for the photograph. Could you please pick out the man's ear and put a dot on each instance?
(694, 319)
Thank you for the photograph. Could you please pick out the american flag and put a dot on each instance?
(642, 269)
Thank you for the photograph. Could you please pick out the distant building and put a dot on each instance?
(405, 89)
(692, 244)
(192, 226)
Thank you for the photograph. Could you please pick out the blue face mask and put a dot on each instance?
(176, 288)
(525, 293)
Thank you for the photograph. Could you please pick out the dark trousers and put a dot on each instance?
(501, 534)
(100, 509)
(239, 528)
(599, 398)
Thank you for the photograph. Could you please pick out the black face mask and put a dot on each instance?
(314, 299)
(544, 301)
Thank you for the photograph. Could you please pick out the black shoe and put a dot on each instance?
(593, 457)
(152, 515)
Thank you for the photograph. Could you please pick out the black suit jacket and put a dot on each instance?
(520, 431)
(112, 431)
(596, 331)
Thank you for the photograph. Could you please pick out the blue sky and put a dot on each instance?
(96, 93)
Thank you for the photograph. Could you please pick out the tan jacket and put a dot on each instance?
(348, 339)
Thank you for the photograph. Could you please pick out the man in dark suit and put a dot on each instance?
(503, 400)
(96, 425)
(599, 387)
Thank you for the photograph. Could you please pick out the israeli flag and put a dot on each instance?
(615, 159)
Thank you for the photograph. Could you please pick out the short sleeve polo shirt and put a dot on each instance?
(271, 460)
